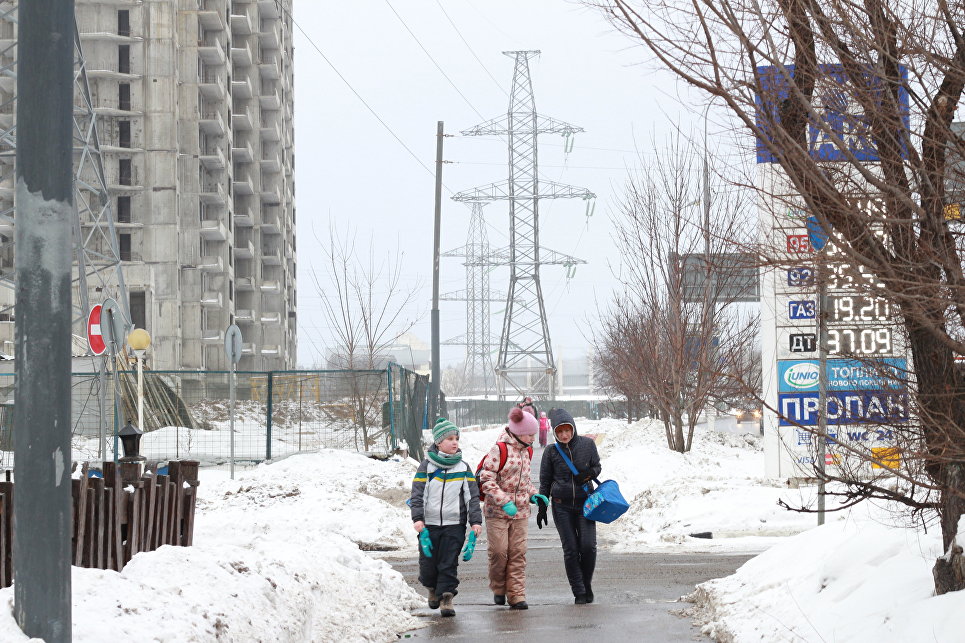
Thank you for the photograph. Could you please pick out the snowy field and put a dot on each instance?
(292, 551)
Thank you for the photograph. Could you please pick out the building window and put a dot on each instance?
(123, 209)
(125, 246)
(124, 59)
(124, 133)
(139, 309)
(123, 22)
(231, 291)
(124, 97)
(124, 172)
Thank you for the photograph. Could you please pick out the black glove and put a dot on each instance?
(584, 476)
(541, 516)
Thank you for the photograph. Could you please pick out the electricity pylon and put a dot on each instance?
(97, 264)
(478, 373)
(525, 364)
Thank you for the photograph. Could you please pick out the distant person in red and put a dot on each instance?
(544, 427)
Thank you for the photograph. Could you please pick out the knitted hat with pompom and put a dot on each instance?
(521, 423)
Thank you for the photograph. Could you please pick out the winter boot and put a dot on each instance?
(445, 607)
(499, 599)
(433, 599)
(589, 594)
(519, 606)
(580, 599)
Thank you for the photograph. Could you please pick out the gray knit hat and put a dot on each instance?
(442, 429)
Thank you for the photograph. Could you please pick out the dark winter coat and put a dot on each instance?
(555, 478)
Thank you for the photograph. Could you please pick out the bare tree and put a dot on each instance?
(669, 340)
(456, 380)
(365, 305)
(886, 55)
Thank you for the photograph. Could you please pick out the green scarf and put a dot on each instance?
(444, 460)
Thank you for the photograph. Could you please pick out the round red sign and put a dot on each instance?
(94, 337)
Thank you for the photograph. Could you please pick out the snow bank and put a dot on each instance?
(849, 581)
(278, 557)
(718, 487)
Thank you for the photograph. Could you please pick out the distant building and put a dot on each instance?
(574, 375)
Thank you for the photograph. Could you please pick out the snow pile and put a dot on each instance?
(277, 557)
(849, 581)
(717, 487)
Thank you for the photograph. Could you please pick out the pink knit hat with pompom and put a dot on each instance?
(521, 423)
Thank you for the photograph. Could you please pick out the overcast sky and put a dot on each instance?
(351, 170)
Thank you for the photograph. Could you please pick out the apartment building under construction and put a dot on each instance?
(194, 113)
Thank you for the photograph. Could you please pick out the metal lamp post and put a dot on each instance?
(139, 340)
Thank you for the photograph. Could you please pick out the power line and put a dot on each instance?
(357, 95)
(564, 166)
(438, 66)
(469, 47)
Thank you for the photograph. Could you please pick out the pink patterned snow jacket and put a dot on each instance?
(514, 482)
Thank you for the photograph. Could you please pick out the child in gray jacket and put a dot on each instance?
(445, 497)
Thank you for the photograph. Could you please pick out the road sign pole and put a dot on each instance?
(231, 414)
(102, 408)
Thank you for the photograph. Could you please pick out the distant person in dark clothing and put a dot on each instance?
(529, 406)
(556, 480)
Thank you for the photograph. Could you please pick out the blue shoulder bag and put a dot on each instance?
(606, 504)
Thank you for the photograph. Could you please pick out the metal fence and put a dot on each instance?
(277, 413)
(472, 412)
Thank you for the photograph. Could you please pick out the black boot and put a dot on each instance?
(580, 599)
(589, 593)
(519, 606)
(499, 599)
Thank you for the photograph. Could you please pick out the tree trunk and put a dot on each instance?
(949, 570)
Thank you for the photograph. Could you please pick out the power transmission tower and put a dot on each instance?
(525, 364)
(96, 260)
(478, 371)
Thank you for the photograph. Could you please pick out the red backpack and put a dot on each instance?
(503, 454)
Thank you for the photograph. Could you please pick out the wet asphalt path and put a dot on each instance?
(636, 595)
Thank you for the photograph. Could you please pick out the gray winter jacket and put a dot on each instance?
(445, 496)
(555, 478)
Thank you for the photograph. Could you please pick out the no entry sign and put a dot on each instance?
(94, 337)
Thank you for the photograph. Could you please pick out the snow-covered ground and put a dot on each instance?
(278, 556)
(861, 577)
(291, 551)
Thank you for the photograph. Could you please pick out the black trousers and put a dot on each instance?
(440, 570)
(578, 536)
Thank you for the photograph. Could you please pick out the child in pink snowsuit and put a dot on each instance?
(544, 427)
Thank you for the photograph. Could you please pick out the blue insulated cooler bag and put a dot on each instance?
(606, 504)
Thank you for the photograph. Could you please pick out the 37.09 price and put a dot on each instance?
(860, 341)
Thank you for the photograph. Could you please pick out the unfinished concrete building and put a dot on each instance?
(194, 105)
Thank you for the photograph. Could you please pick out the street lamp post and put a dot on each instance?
(139, 340)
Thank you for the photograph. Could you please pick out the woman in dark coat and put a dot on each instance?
(567, 493)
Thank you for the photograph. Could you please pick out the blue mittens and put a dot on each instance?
(470, 546)
(425, 542)
(540, 499)
(510, 508)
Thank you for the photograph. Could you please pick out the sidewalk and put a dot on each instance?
(635, 595)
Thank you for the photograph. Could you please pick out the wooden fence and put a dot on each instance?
(110, 524)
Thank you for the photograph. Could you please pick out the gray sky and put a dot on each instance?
(350, 169)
